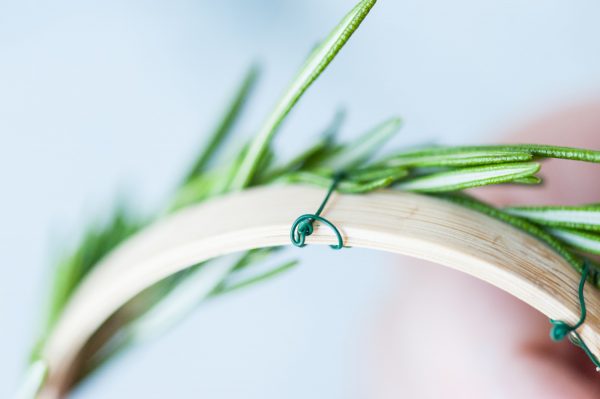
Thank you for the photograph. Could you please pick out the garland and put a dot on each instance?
(573, 231)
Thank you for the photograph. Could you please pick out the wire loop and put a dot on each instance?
(303, 226)
(560, 329)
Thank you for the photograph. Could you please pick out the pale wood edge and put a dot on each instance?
(391, 221)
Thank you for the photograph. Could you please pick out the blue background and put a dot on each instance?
(102, 98)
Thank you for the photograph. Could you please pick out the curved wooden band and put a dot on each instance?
(392, 221)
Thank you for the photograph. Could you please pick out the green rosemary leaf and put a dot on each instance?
(35, 376)
(582, 240)
(345, 186)
(528, 227)
(312, 68)
(585, 217)
(550, 151)
(467, 157)
(254, 256)
(229, 171)
(365, 175)
(213, 182)
(322, 145)
(169, 301)
(313, 155)
(461, 179)
(228, 287)
(225, 126)
(196, 190)
(262, 167)
(537, 150)
(353, 154)
(189, 292)
(529, 180)
(97, 243)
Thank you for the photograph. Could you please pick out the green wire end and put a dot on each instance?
(560, 329)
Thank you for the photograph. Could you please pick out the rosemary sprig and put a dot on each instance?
(356, 153)
(585, 217)
(582, 240)
(345, 186)
(458, 157)
(316, 63)
(225, 127)
(438, 171)
(470, 177)
(96, 243)
(536, 150)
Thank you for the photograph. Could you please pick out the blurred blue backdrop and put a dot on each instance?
(101, 98)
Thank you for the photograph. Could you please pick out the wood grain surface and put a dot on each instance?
(391, 221)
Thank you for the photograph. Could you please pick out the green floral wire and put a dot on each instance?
(560, 329)
(303, 226)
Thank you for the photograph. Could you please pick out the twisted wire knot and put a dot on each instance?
(559, 330)
(303, 226)
(301, 229)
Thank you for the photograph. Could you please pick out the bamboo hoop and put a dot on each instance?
(391, 221)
